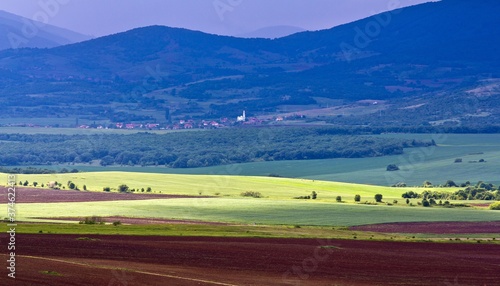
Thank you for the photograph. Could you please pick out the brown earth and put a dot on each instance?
(433, 227)
(35, 195)
(143, 260)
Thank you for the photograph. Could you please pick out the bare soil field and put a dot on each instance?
(35, 195)
(135, 260)
(433, 227)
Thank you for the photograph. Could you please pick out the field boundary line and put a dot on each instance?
(127, 269)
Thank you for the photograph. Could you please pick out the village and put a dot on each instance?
(182, 124)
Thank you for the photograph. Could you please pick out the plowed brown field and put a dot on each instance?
(34, 195)
(433, 227)
(137, 260)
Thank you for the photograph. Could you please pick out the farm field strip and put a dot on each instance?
(210, 185)
(257, 261)
(249, 211)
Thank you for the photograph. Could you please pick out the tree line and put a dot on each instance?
(196, 148)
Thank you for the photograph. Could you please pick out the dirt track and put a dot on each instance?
(243, 261)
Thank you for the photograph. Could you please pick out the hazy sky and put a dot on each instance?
(227, 17)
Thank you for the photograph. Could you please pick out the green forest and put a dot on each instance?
(196, 148)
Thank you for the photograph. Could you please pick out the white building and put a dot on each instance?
(242, 118)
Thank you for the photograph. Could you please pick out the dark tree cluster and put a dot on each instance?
(196, 148)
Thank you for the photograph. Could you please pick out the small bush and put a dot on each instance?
(495, 206)
(314, 195)
(117, 223)
(357, 198)
(251, 194)
(303, 198)
(425, 203)
(378, 198)
(106, 189)
(92, 220)
(392, 167)
(338, 199)
(123, 188)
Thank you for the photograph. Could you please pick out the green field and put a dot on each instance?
(259, 211)
(216, 185)
(435, 164)
(277, 207)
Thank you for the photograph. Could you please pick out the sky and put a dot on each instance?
(224, 17)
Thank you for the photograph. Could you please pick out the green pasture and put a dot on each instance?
(217, 185)
(258, 211)
(277, 231)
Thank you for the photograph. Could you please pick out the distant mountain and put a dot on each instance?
(19, 32)
(423, 57)
(272, 32)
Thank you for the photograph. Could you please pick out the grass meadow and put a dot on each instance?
(276, 207)
(218, 185)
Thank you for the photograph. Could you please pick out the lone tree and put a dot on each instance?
(450, 184)
(123, 188)
(378, 198)
(392, 167)
(357, 198)
(427, 184)
(314, 195)
(339, 199)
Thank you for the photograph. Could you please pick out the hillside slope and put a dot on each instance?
(425, 55)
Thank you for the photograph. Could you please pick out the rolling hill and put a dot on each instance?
(420, 61)
(19, 32)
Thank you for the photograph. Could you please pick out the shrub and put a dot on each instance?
(338, 199)
(106, 189)
(251, 194)
(314, 195)
(71, 185)
(392, 167)
(410, 195)
(117, 223)
(450, 184)
(427, 184)
(495, 206)
(357, 198)
(395, 202)
(425, 203)
(303, 197)
(92, 220)
(407, 201)
(458, 160)
(399, 185)
(378, 198)
(123, 188)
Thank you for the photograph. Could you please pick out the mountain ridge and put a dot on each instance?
(20, 32)
(432, 51)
